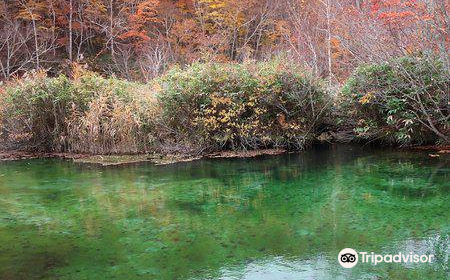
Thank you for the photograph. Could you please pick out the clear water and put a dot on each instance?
(282, 217)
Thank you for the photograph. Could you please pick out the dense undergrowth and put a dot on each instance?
(213, 107)
(84, 114)
(231, 106)
(403, 101)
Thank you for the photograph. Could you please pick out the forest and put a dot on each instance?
(224, 139)
(197, 76)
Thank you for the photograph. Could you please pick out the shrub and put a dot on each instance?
(110, 125)
(35, 110)
(403, 101)
(240, 106)
(86, 114)
(203, 108)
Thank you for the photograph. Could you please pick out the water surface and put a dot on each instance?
(274, 217)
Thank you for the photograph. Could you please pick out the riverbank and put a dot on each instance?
(435, 151)
(157, 159)
(213, 107)
(441, 149)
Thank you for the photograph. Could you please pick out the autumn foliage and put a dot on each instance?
(217, 107)
(204, 75)
(140, 39)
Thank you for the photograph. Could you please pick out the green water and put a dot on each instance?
(282, 217)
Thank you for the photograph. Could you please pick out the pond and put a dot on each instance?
(270, 217)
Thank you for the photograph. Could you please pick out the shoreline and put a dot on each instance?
(160, 159)
(111, 160)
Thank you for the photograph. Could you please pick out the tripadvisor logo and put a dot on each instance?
(348, 258)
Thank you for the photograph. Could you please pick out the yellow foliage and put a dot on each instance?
(366, 98)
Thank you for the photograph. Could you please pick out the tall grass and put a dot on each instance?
(213, 107)
(85, 114)
(201, 108)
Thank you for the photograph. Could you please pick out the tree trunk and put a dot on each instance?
(70, 29)
(111, 26)
(330, 71)
(36, 44)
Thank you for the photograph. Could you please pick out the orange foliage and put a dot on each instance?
(398, 13)
(141, 21)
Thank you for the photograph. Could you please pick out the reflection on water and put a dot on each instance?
(279, 268)
(319, 266)
(283, 217)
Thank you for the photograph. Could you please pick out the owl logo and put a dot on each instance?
(348, 258)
